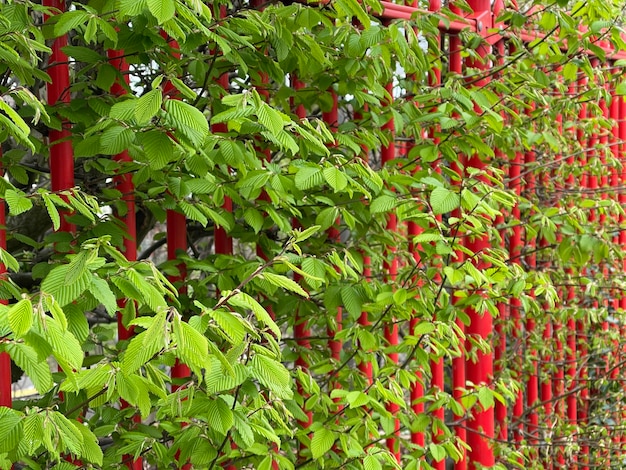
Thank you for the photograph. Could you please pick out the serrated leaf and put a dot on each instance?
(69, 20)
(65, 347)
(370, 462)
(270, 118)
(254, 219)
(70, 438)
(219, 416)
(188, 120)
(162, 10)
(230, 324)
(322, 441)
(21, 317)
(443, 200)
(335, 178)
(158, 147)
(383, 203)
(148, 106)
(90, 449)
(55, 284)
(102, 292)
(83, 54)
(308, 177)
(123, 110)
(53, 212)
(437, 451)
(243, 300)
(11, 429)
(17, 201)
(352, 301)
(284, 282)
(272, 374)
(28, 360)
(192, 347)
(8, 260)
(57, 313)
(145, 345)
(115, 140)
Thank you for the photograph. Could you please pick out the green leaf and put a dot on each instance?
(270, 118)
(11, 429)
(162, 10)
(83, 54)
(145, 345)
(55, 285)
(272, 374)
(370, 462)
(69, 20)
(115, 140)
(17, 201)
(148, 106)
(29, 361)
(442, 200)
(100, 289)
(188, 120)
(70, 437)
(322, 442)
(90, 449)
(335, 178)
(192, 347)
(383, 203)
(437, 451)
(21, 317)
(53, 212)
(65, 347)
(284, 282)
(308, 177)
(158, 147)
(8, 260)
(243, 300)
(219, 416)
(232, 324)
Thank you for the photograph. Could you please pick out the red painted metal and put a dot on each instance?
(501, 409)
(458, 363)
(331, 118)
(388, 154)
(532, 383)
(124, 183)
(622, 242)
(5, 359)
(58, 90)
(581, 332)
(480, 432)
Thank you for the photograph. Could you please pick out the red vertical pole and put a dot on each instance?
(365, 366)
(437, 366)
(580, 325)
(458, 363)
(125, 185)
(331, 118)
(480, 430)
(620, 149)
(570, 359)
(558, 384)
(532, 384)
(5, 359)
(301, 327)
(58, 90)
(501, 411)
(388, 154)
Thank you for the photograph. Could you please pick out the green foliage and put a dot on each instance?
(212, 118)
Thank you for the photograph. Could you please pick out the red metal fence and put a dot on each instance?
(554, 382)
